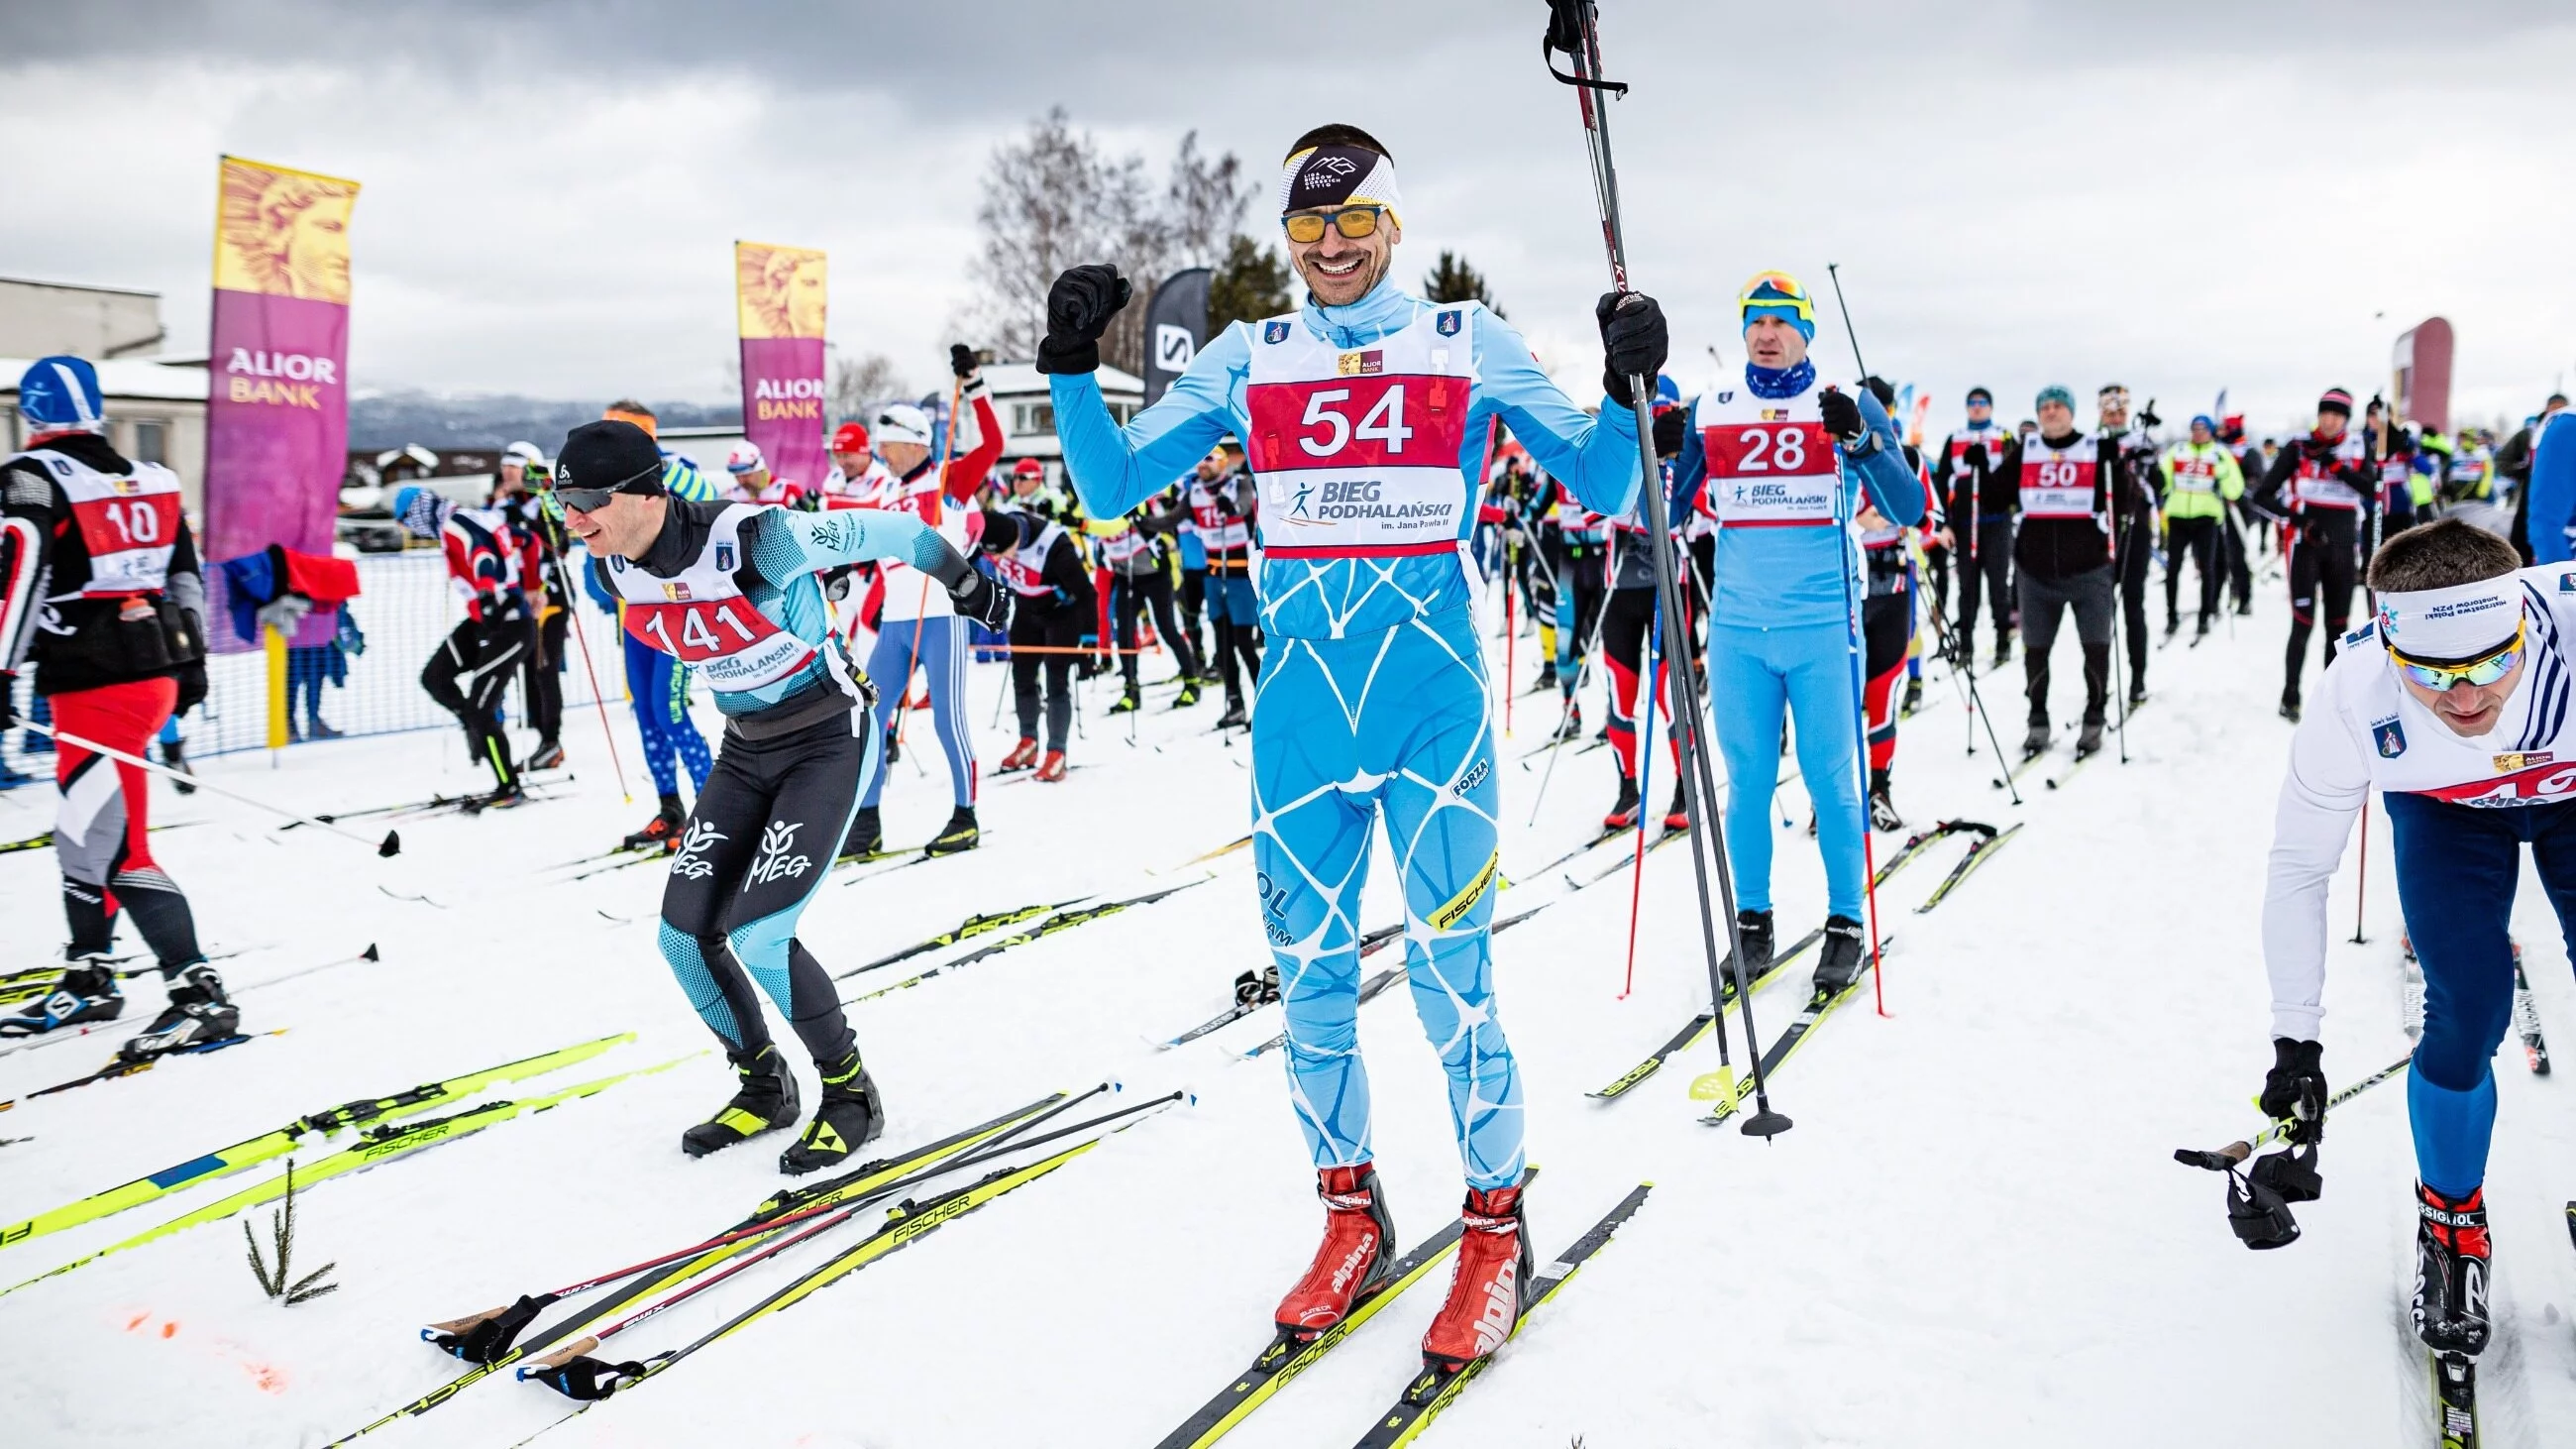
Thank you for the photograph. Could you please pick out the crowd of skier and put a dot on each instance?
(1310, 521)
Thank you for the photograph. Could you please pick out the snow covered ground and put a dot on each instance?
(1975, 1234)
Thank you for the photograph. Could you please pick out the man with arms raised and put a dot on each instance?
(2453, 704)
(1365, 414)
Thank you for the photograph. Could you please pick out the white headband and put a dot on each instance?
(2460, 622)
(1339, 175)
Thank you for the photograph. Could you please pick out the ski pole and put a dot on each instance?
(581, 637)
(2361, 874)
(1833, 270)
(1572, 29)
(390, 845)
(1511, 631)
(2236, 1152)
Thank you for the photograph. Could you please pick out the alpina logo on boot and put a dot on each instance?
(1359, 1255)
(1502, 1299)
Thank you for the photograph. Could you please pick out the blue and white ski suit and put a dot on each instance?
(1784, 626)
(1373, 698)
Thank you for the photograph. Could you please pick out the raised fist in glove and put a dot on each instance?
(1842, 417)
(1634, 341)
(961, 359)
(982, 600)
(1079, 307)
(2294, 1091)
(1671, 426)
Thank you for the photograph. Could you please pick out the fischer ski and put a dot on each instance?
(1793, 1036)
(123, 1068)
(1290, 1354)
(1978, 854)
(1701, 1025)
(39, 842)
(974, 925)
(573, 1373)
(376, 1145)
(2455, 1398)
(1436, 1387)
(1060, 921)
(484, 1339)
(262, 1148)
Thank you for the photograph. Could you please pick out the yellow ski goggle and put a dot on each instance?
(2477, 673)
(1776, 289)
(1353, 222)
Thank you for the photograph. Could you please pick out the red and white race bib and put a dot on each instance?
(702, 618)
(1770, 462)
(1357, 449)
(129, 523)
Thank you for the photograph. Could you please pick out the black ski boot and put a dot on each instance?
(2451, 1261)
(199, 1013)
(2290, 708)
(866, 837)
(2035, 743)
(1623, 811)
(960, 833)
(549, 756)
(1189, 694)
(1129, 702)
(2003, 650)
(1234, 717)
(1753, 932)
(1840, 964)
(174, 753)
(662, 832)
(1882, 805)
(86, 992)
(765, 1101)
(2137, 695)
(846, 1120)
(1260, 989)
(1913, 697)
(1678, 817)
(1571, 727)
(2088, 741)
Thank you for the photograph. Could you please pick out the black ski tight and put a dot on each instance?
(2197, 537)
(2324, 563)
(1059, 630)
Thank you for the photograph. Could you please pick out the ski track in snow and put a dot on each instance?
(1975, 1235)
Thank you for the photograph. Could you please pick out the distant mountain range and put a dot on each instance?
(489, 423)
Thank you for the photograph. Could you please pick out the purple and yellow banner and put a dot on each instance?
(277, 415)
(778, 295)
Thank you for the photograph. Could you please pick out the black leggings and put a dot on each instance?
(467, 674)
(758, 845)
(1130, 594)
(2324, 563)
(2138, 538)
(1053, 629)
(1993, 565)
(541, 674)
(2197, 537)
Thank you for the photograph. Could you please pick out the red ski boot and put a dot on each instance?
(1489, 1285)
(1623, 811)
(1021, 757)
(1052, 768)
(1356, 1259)
(1678, 817)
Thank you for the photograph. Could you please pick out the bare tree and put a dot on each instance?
(860, 382)
(1052, 200)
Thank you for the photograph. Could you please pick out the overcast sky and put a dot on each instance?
(2181, 197)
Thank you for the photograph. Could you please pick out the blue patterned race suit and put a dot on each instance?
(1367, 427)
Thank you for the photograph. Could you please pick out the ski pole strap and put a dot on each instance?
(584, 1377)
(1569, 29)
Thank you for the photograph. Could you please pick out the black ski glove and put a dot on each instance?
(1670, 426)
(192, 688)
(8, 701)
(485, 1339)
(2295, 1089)
(1634, 341)
(982, 600)
(961, 359)
(586, 1378)
(2149, 420)
(1975, 456)
(1079, 307)
(1842, 417)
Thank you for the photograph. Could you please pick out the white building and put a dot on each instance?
(156, 407)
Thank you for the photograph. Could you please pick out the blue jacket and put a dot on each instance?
(2553, 488)
(1794, 578)
(1115, 468)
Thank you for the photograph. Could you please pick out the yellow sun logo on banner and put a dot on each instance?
(282, 233)
(778, 291)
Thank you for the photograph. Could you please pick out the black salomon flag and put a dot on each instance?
(1175, 328)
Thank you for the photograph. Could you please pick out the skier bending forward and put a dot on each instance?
(729, 589)
(2453, 703)
(1367, 416)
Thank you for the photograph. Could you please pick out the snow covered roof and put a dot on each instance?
(1020, 379)
(128, 377)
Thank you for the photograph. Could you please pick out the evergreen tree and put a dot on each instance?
(1250, 284)
(1451, 279)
